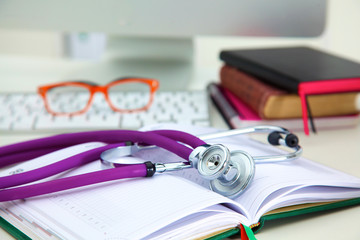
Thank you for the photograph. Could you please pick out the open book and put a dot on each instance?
(179, 204)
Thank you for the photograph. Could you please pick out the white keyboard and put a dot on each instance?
(21, 112)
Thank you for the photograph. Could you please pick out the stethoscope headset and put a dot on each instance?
(229, 172)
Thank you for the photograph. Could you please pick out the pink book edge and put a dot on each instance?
(245, 112)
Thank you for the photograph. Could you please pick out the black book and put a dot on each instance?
(288, 67)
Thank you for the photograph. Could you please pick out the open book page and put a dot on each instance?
(126, 209)
(301, 181)
(214, 219)
(277, 185)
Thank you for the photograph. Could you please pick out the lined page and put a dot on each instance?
(127, 209)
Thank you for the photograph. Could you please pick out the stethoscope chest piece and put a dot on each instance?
(229, 172)
(237, 177)
(212, 161)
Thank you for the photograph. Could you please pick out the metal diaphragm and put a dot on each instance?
(213, 161)
(241, 169)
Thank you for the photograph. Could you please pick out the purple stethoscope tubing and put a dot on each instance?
(170, 140)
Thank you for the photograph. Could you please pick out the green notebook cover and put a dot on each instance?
(305, 210)
(13, 231)
(252, 230)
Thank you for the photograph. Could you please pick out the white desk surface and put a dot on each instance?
(339, 149)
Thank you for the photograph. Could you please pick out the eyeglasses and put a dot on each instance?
(122, 95)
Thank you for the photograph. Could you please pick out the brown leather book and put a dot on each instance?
(273, 103)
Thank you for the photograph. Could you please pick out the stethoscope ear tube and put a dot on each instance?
(291, 140)
(130, 171)
(8, 184)
(277, 136)
(27, 150)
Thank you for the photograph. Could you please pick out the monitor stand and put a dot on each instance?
(170, 60)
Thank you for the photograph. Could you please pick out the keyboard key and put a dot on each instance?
(5, 122)
(23, 123)
(130, 121)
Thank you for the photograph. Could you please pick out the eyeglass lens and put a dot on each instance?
(67, 99)
(129, 96)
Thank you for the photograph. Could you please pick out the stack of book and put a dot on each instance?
(279, 86)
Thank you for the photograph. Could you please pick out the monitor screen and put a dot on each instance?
(156, 38)
(164, 18)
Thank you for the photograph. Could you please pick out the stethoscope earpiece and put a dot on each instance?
(291, 140)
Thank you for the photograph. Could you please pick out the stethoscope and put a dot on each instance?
(229, 172)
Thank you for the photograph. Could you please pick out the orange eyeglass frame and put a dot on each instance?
(94, 88)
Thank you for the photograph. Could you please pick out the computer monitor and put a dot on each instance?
(154, 37)
(164, 18)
